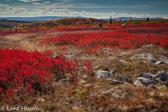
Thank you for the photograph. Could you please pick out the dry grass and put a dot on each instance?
(79, 97)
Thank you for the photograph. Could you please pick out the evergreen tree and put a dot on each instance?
(147, 19)
(110, 20)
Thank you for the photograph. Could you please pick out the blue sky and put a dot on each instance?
(86, 8)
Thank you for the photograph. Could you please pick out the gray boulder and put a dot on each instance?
(153, 86)
(163, 75)
(147, 75)
(138, 83)
(109, 91)
(159, 62)
(68, 57)
(102, 74)
(56, 56)
(116, 82)
(85, 77)
(121, 78)
(96, 67)
(151, 59)
(165, 61)
(87, 85)
(79, 53)
(145, 80)
(127, 84)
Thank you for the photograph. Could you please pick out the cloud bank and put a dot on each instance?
(6, 11)
(29, 0)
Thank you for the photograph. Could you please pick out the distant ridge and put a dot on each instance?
(36, 19)
(132, 18)
(46, 18)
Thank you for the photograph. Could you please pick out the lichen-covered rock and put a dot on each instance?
(147, 75)
(159, 62)
(145, 80)
(102, 74)
(153, 86)
(116, 82)
(163, 75)
(121, 78)
(138, 83)
(96, 67)
(109, 91)
(151, 59)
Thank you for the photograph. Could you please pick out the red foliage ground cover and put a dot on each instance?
(26, 72)
(159, 27)
(124, 38)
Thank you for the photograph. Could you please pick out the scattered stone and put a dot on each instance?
(116, 82)
(165, 61)
(150, 100)
(138, 83)
(63, 80)
(147, 75)
(134, 57)
(109, 91)
(162, 86)
(163, 94)
(110, 79)
(153, 86)
(142, 56)
(87, 85)
(145, 80)
(79, 53)
(75, 108)
(69, 80)
(116, 95)
(127, 84)
(84, 76)
(82, 82)
(41, 100)
(158, 80)
(147, 46)
(163, 75)
(151, 59)
(117, 91)
(159, 62)
(164, 82)
(56, 56)
(96, 67)
(121, 78)
(69, 56)
(123, 61)
(102, 74)
(152, 93)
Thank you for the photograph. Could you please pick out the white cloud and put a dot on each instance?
(6, 11)
(47, 2)
(29, 0)
(36, 3)
(3, 5)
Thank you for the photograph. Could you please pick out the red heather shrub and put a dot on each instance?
(24, 71)
(115, 40)
(89, 67)
(126, 37)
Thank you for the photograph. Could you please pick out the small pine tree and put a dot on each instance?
(100, 25)
(147, 19)
(110, 20)
(130, 19)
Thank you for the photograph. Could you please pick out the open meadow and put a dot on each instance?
(93, 67)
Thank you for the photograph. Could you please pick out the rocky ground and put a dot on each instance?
(119, 80)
